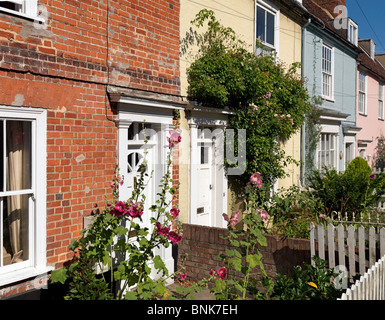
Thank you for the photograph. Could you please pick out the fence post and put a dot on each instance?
(372, 246)
(341, 245)
(330, 235)
(312, 243)
(361, 249)
(351, 248)
(321, 241)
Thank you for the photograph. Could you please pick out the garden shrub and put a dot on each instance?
(307, 283)
(354, 191)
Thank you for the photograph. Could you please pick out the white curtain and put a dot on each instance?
(18, 137)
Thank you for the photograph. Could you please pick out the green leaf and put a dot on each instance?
(59, 275)
(253, 260)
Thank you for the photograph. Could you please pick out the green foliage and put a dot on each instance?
(358, 165)
(291, 212)
(269, 99)
(308, 283)
(355, 190)
(119, 242)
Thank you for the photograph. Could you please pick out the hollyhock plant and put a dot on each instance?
(222, 272)
(175, 138)
(135, 210)
(162, 230)
(174, 212)
(263, 213)
(174, 237)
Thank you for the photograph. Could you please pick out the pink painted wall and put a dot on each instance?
(371, 126)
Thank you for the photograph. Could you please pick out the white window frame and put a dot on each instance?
(268, 7)
(353, 37)
(37, 263)
(333, 131)
(362, 96)
(327, 74)
(380, 101)
(29, 10)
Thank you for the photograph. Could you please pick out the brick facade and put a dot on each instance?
(204, 244)
(63, 67)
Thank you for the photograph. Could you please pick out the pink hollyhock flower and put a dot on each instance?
(222, 272)
(256, 179)
(234, 220)
(175, 137)
(212, 272)
(135, 210)
(162, 230)
(119, 209)
(322, 216)
(372, 176)
(174, 237)
(183, 276)
(226, 217)
(263, 214)
(174, 212)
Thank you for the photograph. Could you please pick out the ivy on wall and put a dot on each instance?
(269, 98)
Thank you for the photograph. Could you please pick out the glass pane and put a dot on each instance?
(204, 155)
(270, 28)
(260, 24)
(18, 153)
(15, 229)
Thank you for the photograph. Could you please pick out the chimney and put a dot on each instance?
(329, 5)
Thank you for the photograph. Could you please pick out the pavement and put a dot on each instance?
(202, 295)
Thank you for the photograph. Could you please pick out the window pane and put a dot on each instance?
(18, 153)
(270, 28)
(204, 155)
(15, 229)
(260, 24)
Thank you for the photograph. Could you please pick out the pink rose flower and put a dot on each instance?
(222, 272)
(256, 179)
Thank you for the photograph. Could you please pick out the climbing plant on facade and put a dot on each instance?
(269, 98)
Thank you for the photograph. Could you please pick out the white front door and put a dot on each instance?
(208, 196)
(139, 155)
(205, 183)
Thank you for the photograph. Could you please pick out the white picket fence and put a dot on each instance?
(348, 246)
(371, 285)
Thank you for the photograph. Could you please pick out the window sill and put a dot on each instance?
(22, 274)
(363, 114)
(328, 99)
(22, 15)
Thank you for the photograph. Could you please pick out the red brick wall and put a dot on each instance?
(204, 244)
(62, 67)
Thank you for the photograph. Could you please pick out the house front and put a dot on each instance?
(370, 101)
(77, 81)
(329, 68)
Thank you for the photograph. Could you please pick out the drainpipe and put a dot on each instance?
(303, 128)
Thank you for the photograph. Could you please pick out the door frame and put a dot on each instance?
(217, 120)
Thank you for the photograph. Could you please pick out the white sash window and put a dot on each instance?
(22, 197)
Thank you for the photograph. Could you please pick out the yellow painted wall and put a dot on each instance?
(239, 15)
(290, 52)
